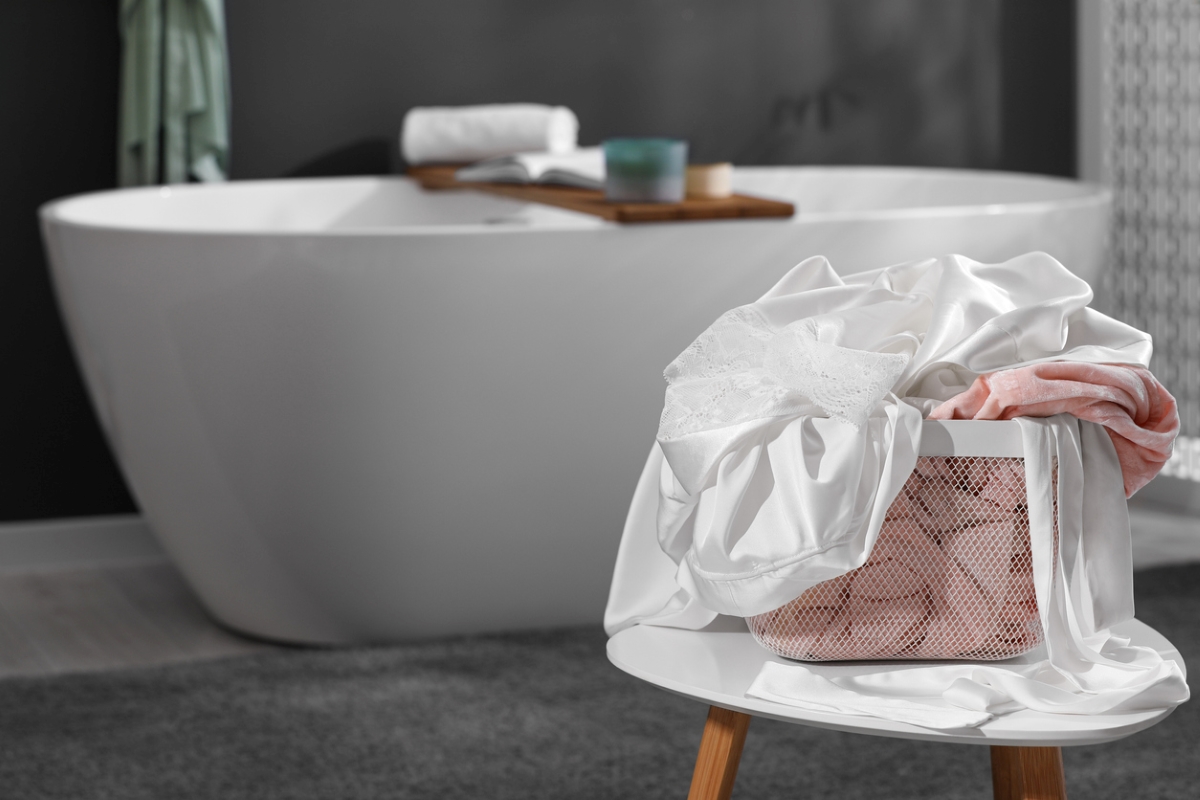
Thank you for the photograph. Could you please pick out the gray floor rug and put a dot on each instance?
(519, 716)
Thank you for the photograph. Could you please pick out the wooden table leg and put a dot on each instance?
(1028, 773)
(720, 752)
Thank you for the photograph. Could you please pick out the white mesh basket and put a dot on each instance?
(951, 574)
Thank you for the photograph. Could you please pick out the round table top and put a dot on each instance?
(717, 665)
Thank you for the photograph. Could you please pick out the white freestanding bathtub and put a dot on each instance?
(354, 411)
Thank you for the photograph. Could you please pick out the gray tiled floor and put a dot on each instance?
(69, 620)
(1161, 538)
(141, 614)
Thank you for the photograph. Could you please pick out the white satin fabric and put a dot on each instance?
(765, 481)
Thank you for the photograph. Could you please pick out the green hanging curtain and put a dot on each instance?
(174, 115)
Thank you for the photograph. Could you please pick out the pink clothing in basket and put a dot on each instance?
(1139, 414)
(950, 577)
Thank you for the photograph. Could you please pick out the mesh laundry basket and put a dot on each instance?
(951, 574)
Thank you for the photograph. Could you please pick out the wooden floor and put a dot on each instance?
(111, 617)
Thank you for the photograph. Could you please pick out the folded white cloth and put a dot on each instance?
(471, 133)
(798, 686)
(968, 695)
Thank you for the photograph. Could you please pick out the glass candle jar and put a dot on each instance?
(645, 170)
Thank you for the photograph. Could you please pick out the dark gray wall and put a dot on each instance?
(1037, 60)
(58, 126)
(320, 87)
(771, 81)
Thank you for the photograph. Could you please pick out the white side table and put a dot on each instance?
(717, 666)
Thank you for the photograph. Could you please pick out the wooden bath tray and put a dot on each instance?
(591, 201)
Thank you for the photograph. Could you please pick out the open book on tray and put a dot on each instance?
(582, 168)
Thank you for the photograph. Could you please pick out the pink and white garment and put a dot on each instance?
(1140, 415)
(792, 424)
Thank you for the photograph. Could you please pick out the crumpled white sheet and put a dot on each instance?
(745, 502)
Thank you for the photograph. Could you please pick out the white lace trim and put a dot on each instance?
(744, 368)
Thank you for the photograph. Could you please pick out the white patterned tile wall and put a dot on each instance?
(1151, 84)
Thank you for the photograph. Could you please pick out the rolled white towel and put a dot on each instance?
(472, 133)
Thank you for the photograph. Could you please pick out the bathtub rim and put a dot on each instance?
(1090, 195)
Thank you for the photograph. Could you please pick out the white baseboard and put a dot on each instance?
(76, 543)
